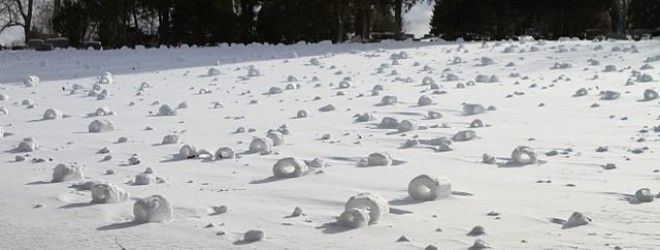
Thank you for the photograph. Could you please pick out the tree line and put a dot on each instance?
(551, 19)
(117, 23)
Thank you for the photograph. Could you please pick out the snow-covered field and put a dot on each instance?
(589, 151)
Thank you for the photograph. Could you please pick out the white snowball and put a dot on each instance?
(154, 208)
(52, 114)
(379, 159)
(354, 218)
(108, 193)
(426, 188)
(170, 139)
(64, 173)
(225, 153)
(99, 126)
(376, 205)
(166, 110)
(261, 145)
(289, 167)
(31, 81)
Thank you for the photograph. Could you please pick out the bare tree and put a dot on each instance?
(17, 13)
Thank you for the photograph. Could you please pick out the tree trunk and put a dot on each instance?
(398, 18)
(619, 16)
(28, 20)
(340, 21)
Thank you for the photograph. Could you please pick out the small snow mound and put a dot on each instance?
(144, 179)
(106, 78)
(576, 219)
(170, 139)
(523, 155)
(262, 145)
(650, 94)
(289, 167)
(399, 56)
(366, 117)
(379, 159)
(108, 193)
(103, 111)
(354, 218)
(377, 206)
(609, 95)
(424, 100)
(464, 135)
(644, 195)
(426, 188)
(154, 208)
(64, 173)
(166, 110)
(580, 92)
(407, 125)
(99, 126)
(276, 136)
(188, 152)
(253, 235)
(213, 72)
(389, 123)
(52, 114)
(389, 100)
(301, 113)
(224, 153)
(31, 81)
(28, 144)
(473, 109)
(275, 90)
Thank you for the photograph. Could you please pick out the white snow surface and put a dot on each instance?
(38, 214)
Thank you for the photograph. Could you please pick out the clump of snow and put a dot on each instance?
(106, 78)
(407, 125)
(389, 100)
(327, 108)
(289, 167)
(64, 173)
(580, 92)
(52, 114)
(28, 144)
(99, 126)
(31, 81)
(170, 139)
(650, 94)
(366, 117)
(154, 208)
(464, 135)
(276, 136)
(275, 90)
(609, 95)
(213, 72)
(253, 235)
(166, 110)
(224, 153)
(354, 218)
(102, 111)
(523, 155)
(108, 193)
(473, 109)
(188, 152)
(576, 219)
(263, 145)
(424, 101)
(644, 195)
(379, 159)
(426, 188)
(376, 205)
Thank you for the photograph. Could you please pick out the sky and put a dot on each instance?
(416, 22)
